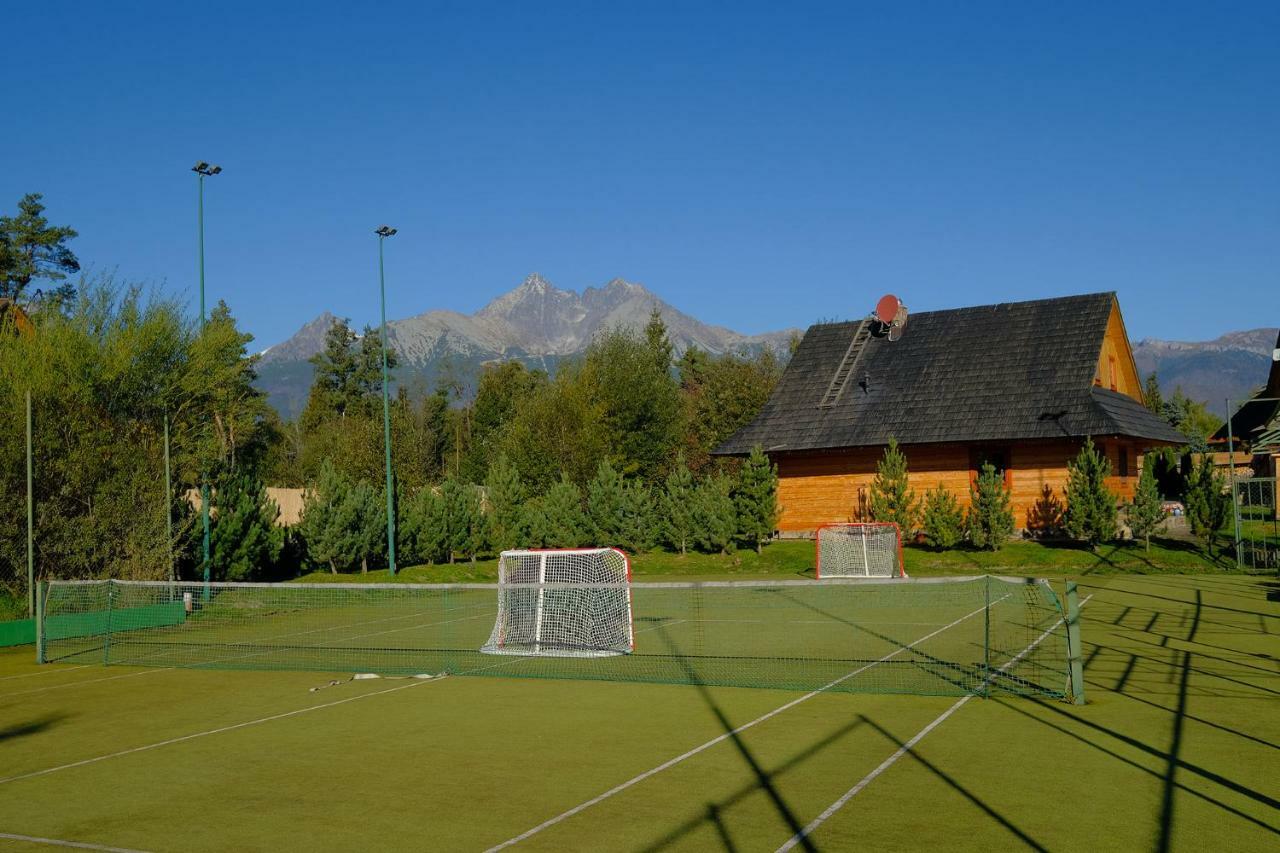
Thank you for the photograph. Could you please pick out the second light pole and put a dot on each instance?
(383, 233)
(203, 170)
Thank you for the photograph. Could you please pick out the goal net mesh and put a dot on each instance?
(859, 551)
(948, 636)
(569, 603)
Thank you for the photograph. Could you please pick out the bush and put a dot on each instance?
(990, 519)
(1091, 506)
(943, 518)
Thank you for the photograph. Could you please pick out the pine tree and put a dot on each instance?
(318, 525)
(636, 534)
(715, 520)
(1208, 505)
(892, 499)
(943, 518)
(563, 523)
(506, 497)
(464, 519)
(1151, 396)
(363, 516)
(245, 541)
(1146, 513)
(1091, 506)
(676, 507)
(426, 527)
(756, 499)
(990, 519)
(606, 505)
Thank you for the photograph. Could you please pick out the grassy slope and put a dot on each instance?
(794, 558)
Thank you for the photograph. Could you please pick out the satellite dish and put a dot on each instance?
(887, 308)
(892, 315)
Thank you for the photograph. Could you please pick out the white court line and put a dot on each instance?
(45, 672)
(58, 842)
(230, 728)
(635, 780)
(906, 747)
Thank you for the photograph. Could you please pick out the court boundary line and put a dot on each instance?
(862, 783)
(671, 762)
(59, 842)
(45, 672)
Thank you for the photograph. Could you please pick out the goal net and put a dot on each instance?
(568, 603)
(868, 550)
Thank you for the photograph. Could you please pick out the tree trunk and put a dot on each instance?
(364, 565)
(332, 568)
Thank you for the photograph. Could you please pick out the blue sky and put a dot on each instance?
(757, 165)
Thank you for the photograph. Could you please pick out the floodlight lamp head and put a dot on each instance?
(215, 170)
(200, 166)
(385, 231)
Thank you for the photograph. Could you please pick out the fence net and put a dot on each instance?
(920, 636)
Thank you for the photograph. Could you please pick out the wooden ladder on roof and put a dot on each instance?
(841, 378)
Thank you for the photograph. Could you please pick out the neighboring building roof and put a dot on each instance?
(1257, 422)
(1017, 370)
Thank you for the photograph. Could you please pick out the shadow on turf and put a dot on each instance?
(31, 727)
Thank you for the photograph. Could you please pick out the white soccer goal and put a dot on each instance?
(563, 603)
(866, 550)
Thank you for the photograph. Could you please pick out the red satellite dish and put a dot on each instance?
(892, 315)
(887, 308)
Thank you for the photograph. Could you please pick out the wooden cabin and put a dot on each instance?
(1017, 384)
(1254, 428)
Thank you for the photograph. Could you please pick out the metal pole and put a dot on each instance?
(31, 520)
(1231, 476)
(168, 500)
(204, 479)
(986, 638)
(1075, 653)
(386, 414)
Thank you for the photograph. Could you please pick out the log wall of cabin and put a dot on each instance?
(825, 488)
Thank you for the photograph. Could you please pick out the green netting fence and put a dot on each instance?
(941, 636)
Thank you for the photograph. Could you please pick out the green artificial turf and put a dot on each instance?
(1175, 750)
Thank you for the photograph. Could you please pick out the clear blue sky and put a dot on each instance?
(758, 165)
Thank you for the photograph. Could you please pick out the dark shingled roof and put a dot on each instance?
(1019, 370)
(1257, 423)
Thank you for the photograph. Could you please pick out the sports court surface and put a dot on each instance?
(1176, 750)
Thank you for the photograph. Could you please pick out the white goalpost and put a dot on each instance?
(859, 550)
(563, 603)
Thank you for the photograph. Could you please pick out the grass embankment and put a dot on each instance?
(794, 559)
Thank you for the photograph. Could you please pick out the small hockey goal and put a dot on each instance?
(862, 550)
(563, 603)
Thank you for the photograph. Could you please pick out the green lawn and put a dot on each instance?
(1175, 750)
(794, 558)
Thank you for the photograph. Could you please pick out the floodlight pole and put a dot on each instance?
(203, 170)
(31, 520)
(383, 233)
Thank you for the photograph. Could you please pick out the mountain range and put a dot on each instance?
(537, 323)
(1231, 366)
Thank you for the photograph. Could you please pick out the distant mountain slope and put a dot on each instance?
(1233, 365)
(537, 323)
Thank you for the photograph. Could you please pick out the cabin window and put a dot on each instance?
(1111, 364)
(1124, 461)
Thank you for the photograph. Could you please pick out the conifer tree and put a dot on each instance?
(1146, 513)
(1208, 505)
(892, 499)
(318, 525)
(245, 541)
(606, 505)
(1091, 506)
(563, 524)
(464, 519)
(943, 518)
(756, 499)
(715, 520)
(636, 534)
(676, 507)
(363, 516)
(426, 526)
(990, 519)
(506, 497)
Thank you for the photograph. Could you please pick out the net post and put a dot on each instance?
(106, 626)
(986, 637)
(1074, 656)
(40, 598)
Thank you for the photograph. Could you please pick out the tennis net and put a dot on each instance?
(941, 636)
